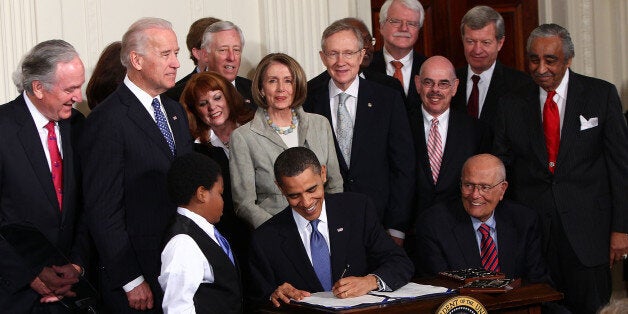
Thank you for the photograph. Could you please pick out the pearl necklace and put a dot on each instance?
(293, 124)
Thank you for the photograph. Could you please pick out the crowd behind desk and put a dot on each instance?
(525, 299)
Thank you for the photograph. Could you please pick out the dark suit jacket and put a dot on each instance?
(382, 154)
(356, 238)
(378, 64)
(27, 197)
(590, 180)
(463, 141)
(322, 80)
(175, 92)
(125, 159)
(447, 240)
(243, 85)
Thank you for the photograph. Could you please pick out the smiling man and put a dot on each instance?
(321, 242)
(127, 147)
(480, 229)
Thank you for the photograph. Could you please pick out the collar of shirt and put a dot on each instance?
(143, 97)
(40, 123)
(406, 70)
(200, 221)
(443, 125)
(560, 98)
(305, 229)
(483, 84)
(491, 223)
(351, 103)
(213, 138)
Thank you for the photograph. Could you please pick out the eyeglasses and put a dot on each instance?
(427, 83)
(347, 55)
(397, 23)
(484, 189)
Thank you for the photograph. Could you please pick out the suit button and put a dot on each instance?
(351, 180)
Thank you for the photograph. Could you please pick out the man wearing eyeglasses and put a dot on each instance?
(443, 139)
(480, 229)
(372, 136)
(399, 24)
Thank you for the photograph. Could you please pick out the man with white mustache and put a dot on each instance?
(399, 24)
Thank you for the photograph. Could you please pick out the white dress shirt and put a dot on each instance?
(351, 103)
(305, 229)
(406, 70)
(184, 267)
(216, 142)
(443, 126)
(560, 98)
(483, 84)
(492, 225)
(40, 122)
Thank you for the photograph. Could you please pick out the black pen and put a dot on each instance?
(345, 271)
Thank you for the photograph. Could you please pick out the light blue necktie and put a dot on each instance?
(224, 244)
(320, 256)
(344, 125)
(162, 124)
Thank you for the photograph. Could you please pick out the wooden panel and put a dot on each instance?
(440, 34)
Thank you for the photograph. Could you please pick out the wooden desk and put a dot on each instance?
(525, 299)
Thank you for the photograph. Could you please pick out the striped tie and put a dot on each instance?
(434, 149)
(490, 261)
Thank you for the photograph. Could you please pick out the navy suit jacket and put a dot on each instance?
(590, 180)
(27, 197)
(447, 240)
(175, 92)
(125, 159)
(356, 238)
(378, 64)
(382, 154)
(463, 141)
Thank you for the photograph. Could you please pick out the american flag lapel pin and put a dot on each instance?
(369, 105)
(174, 117)
(340, 229)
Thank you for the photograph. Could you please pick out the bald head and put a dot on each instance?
(485, 162)
(440, 63)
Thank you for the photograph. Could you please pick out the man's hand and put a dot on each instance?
(54, 282)
(286, 292)
(354, 286)
(398, 241)
(619, 247)
(140, 298)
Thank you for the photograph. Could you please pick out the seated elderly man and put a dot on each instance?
(481, 229)
(322, 242)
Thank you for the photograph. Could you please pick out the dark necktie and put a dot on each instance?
(434, 149)
(490, 261)
(56, 162)
(224, 244)
(473, 105)
(551, 128)
(398, 74)
(162, 124)
(320, 256)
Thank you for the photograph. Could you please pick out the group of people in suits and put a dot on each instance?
(355, 181)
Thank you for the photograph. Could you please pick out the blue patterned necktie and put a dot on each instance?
(162, 124)
(344, 125)
(224, 244)
(320, 256)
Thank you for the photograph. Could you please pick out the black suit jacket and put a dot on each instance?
(125, 159)
(175, 92)
(590, 180)
(378, 64)
(322, 80)
(382, 154)
(447, 240)
(27, 197)
(463, 141)
(356, 238)
(243, 85)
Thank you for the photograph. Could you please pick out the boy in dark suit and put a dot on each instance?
(198, 270)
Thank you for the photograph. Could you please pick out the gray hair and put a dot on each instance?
(413, 5)
(339, 26)
(480, 16)
(40, 64)
(135, 37)
(551, 30)
(219, 27)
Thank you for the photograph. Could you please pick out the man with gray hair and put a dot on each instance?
(484, 80)
(564, 142)
(126, 150)
(223, 43)
(399, 23)
(38, 182)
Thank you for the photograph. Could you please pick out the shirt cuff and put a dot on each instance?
(131, 285)
(381, 285)
(397, 233)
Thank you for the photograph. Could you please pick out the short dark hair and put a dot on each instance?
(187, 173)
(293, 161)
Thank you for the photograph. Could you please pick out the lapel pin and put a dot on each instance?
(370, 105)
(340, 229)
(174, 117)
(248, 101)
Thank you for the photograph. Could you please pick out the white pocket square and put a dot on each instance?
(587, 124)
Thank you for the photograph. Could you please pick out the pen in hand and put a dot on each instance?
(345, 271)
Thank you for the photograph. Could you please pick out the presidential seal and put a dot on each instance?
(461, 305)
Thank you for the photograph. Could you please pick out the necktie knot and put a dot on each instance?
(435, 122)
(314, 224)
(475, 78)
(50, 126)
(342, 98)
(484, 229)
(550, 96)
(156, 104)
(396, 64)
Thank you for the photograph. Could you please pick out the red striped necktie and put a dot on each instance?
(490, 261)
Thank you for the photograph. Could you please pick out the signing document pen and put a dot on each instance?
(345, 271)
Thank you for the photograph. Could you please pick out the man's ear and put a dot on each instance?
(38, 89)
(200, 194)
(324, 173)
(136, 60)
